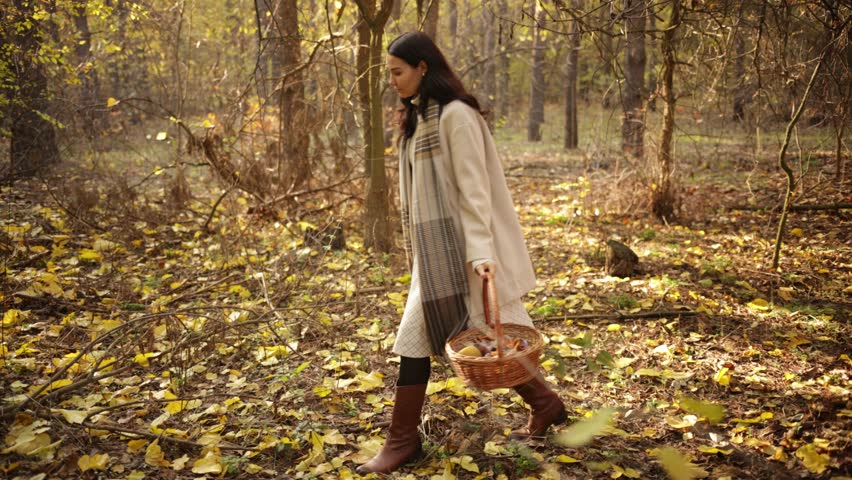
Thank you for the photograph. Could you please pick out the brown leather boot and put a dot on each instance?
(547, 409)
(403, 440)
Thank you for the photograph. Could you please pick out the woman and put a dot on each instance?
(460, 227)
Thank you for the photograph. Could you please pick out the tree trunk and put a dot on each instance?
(117, 77)
(839, 127)
(571, 134)
(536, 115)
(607, 52)
(652, 90)
(633, 121)
(294, 166)
(90, 104)
(362, 66)
(429, 20)
(489, 74)
(782, 163)
(376, 222)
(269, 62)
(33, 138)
(396, 10)
(453, 15)
(663, 195)
(740, 95)
(503, 75)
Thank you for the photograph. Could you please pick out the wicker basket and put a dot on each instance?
(502, 371)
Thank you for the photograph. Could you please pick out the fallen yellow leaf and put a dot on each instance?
(814, 461)
(565, 459)
(135, 446)
(173, 407)
(179, 464)
(210, 463)
(14, 316)
(685, 422)
(706, 449)
(760, 305)
(154, 456)
(722, 377)
(71, 416)
(95, 462)
(29, 439)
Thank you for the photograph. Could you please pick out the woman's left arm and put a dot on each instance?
(468, 160)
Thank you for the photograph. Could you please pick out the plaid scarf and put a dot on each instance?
(430, 235)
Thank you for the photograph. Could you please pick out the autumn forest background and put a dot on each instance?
(202, 258)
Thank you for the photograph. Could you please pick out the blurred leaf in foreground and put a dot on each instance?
(713, 412)
(585, 430)
(678, 467)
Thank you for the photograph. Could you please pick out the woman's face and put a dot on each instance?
(404, 78)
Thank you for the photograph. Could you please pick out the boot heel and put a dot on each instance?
(563, 418)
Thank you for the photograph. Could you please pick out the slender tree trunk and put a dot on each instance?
(663, 194)
(572, 135)
(652, 90)
(536, 115)
(292, 106)
(839, 127)
(607, 52)
(33, 139)
(396, 11)
(740, 95)
(633, 121)
(453, 14)
(362, 66)
(116, 74)
(378, 225)
(90, 104)
(430, 17)
(503, 75)
(269, 59)
(782, 163)
(489, 74)
(376, 221)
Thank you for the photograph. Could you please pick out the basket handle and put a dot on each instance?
(492, 319)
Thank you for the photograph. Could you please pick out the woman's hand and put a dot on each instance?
(487, 269)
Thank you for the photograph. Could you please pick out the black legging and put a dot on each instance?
(413, 371)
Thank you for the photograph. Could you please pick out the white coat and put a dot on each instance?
(475, 187)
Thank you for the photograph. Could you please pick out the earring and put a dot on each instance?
(424, 74)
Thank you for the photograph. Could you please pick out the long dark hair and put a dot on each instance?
(440, 84)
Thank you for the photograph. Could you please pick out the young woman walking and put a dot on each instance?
(460, 227)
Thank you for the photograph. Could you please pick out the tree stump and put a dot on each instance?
(331, 237)
(621, 261)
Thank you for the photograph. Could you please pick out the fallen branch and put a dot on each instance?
(215, 206)
(205, 288)
(623, 316)
(153, 436)
(290, 195)
(799, 208)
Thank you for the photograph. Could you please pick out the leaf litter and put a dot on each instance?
(162, 351)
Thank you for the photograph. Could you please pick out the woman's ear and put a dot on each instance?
(422, 67)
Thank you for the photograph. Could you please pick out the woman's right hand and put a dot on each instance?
(487, 269)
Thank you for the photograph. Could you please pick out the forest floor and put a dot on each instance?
(137, 344)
